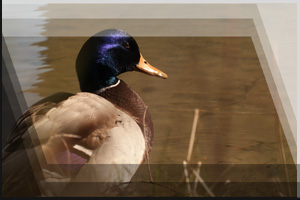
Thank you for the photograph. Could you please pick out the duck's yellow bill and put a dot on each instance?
(145, 67)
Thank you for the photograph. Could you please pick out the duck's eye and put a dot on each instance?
(145, 62)
(126, 45)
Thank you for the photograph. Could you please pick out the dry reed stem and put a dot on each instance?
(203, 184)
(198, 172)
(193, 133)
(187, 179)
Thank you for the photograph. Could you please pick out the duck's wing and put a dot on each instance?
(25, 121)
(61, 135)
(17, 175)
(71, 131)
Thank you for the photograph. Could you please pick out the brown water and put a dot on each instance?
(219, 75)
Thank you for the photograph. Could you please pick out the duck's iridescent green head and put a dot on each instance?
(106, 55)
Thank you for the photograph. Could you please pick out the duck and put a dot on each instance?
(101, 134)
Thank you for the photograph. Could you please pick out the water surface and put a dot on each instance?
(221, 76)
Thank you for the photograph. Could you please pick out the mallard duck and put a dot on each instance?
(101, 134)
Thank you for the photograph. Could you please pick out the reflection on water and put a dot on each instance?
(26, 61)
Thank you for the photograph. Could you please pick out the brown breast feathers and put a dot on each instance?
(127, 100)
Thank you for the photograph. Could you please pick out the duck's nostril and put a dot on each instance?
(145, 62)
